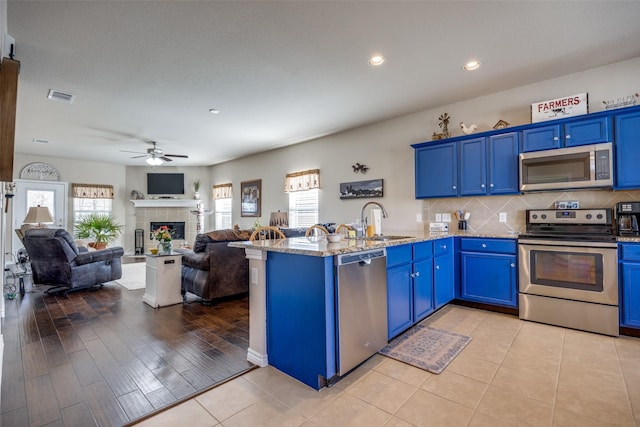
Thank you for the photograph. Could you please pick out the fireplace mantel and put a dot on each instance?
(165, 203)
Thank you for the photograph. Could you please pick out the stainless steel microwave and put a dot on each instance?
(585, 166)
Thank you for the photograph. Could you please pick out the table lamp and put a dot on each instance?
(38, 215)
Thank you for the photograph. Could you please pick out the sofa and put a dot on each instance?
(57, 261)
(211, 269)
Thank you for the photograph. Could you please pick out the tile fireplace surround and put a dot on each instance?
(148, 211)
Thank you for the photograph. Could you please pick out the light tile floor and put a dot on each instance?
(513, 373)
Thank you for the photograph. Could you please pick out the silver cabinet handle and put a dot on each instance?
(568, 137)
(454, 187)
(417, 274)
(481, 185)
(555, 138)
(513, 265)
(437, 267)
(443, 246)
(491, 185)
(484, 245)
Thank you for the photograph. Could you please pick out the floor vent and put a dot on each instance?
(61, 96)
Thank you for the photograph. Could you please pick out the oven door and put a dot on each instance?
(579, 271)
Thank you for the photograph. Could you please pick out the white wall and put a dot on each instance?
(385, 147)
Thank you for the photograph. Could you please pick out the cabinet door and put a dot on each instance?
(422, 289)
(542, 138)
(627, 153)
(591, 131)
(437, 171)
(630, 294)
(473, 167)
(443, 283)
(488, 278)
(503, 163)
(399, 299)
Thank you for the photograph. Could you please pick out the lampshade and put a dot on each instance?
(154, 161)
(38, 215)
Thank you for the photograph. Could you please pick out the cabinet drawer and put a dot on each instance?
(442, 246)
(397, 255)
(422, 250)
(506, 246)
(630, 252)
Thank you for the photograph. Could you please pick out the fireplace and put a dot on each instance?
(176, 227)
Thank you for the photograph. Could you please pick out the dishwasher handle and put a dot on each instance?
(360, 257)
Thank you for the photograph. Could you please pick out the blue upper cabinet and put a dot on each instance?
(568, 134)
(473, 167)
(627, 152)
(503, 163)
(437, 170)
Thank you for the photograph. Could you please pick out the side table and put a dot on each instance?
(163, 280)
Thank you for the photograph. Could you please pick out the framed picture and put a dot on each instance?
(250, 193)
(361, 189)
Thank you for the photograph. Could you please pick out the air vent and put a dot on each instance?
(61, 96)
(40, 141)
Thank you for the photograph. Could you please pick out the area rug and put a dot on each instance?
(426, 348)
(133, 276)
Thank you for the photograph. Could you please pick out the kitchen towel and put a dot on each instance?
(377, 220)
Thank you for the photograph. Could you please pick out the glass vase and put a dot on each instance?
(165, 248)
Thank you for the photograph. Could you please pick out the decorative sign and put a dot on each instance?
(567, 106)
(40, 171)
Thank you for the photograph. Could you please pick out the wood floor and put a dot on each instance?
(105, 358)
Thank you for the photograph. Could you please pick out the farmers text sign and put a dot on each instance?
(574, 105)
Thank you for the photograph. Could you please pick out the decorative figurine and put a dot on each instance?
(468, 130)
(501, 124)
(357, 168)
(444, 124)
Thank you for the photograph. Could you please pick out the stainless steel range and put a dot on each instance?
(568, 269)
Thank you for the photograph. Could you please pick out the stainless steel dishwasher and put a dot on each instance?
(361, 306)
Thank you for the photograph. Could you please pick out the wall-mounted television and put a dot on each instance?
(165, 183)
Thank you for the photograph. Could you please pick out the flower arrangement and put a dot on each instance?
(163, 234)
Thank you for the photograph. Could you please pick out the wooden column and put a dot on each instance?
(8, 97)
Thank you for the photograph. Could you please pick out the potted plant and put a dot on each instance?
(196, 188)
(102, 228)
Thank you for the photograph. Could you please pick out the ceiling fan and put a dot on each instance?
(155, 156)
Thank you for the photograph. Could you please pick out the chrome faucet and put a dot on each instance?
(363, 220)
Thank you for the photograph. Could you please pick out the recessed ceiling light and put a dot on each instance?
(214, 111)
(472, 65)
(376, 60)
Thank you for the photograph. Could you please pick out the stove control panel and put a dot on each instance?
(569, 216)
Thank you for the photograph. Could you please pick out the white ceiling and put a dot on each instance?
(280, 72)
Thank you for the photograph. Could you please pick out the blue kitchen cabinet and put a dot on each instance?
(627, 152)
(301, 327)
(503, 150)
(488, 271)
(417, 282)
(473, 167)
(569, 133)
(443, 282)
(436, 170)
(629, 282)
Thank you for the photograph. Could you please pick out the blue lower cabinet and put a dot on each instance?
(488, 271)
(301, 327)
(629, 276)
(419, 280)
(399, 299)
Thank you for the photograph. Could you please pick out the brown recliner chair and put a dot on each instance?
(57, 261)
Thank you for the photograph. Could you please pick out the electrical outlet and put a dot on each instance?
(438, 217)
(418, 217)
(503, 217)
(446, 217)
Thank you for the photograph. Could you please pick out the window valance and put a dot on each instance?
(92, 191)
(301, 181)
(223, 191)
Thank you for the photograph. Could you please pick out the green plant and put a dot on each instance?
(196, 185)
(102, 228)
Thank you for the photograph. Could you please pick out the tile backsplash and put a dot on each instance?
(485, 210)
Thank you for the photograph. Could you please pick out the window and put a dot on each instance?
(222, 197)
(303, 208)
(90, 198)
(222, 219)
(303, 197)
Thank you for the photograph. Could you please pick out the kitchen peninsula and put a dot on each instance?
(293, 301)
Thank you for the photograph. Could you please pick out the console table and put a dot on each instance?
(163, 280)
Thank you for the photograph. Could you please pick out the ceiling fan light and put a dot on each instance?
(154, 161)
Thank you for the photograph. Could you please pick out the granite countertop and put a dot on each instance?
(319, 246)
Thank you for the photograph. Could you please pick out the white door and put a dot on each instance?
(28, 193)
